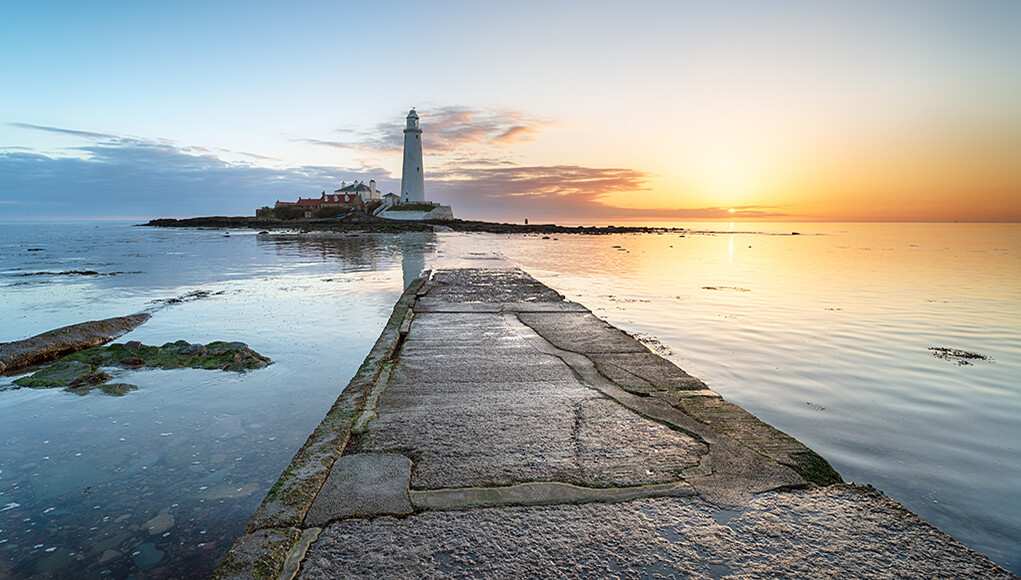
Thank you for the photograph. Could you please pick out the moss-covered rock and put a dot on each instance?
(227, 356)
(59, 374)
(80, 372)
(117, 389)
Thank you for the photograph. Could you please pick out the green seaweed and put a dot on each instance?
(59, 374)
(814, 468)
(117, 389)
(80, 372)
(270, 563)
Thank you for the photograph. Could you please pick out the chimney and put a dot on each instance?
(373, 194)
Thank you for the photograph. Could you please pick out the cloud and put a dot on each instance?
(153, 179)
(116, 176)
(569, 182)
(449, 130)
(72, 132)
(560, 192)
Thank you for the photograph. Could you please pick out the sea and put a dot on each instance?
(893, 350)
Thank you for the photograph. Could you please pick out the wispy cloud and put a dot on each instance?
(449, 129)
(570, 182)
(562, 192)
(72, 132)
(153, 178)
(469, 165)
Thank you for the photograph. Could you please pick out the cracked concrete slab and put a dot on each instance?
(505, 413)
(842, 531)
(540, 493)
(456, 368)
(363, 484)
(468, 285)
(463, 434)
(644, 372)
(429, 304)
(582, 333)
(513, 436)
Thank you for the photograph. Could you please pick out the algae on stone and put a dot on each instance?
(227, 356)
(80, 372)
(59, 374)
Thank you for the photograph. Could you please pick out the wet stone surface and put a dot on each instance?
(363, 484)
(839, 531)
(486, 408)
(508, 414)
(484, 285)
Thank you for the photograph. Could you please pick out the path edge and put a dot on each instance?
(270, 535)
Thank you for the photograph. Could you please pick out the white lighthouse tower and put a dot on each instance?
(412, 184)
(412, 179)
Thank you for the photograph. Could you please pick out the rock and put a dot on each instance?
(117, 389)
(55, 561)
(159, 524)
(61, 341)
(60, 374)
(79, 371)
(141, 465)
(90, 380)
(147, 555)
(109, 556)
(108, 544)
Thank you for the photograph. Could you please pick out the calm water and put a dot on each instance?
(824, 335)
(81, 476)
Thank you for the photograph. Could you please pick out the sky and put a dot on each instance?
(598, 112)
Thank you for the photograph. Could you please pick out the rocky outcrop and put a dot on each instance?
(81, 372)
(225, 356)
(54, 344)
(365, 223)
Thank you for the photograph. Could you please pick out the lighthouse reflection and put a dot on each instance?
(413, 250)
(357, 252)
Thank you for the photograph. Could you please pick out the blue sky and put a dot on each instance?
(596, 110)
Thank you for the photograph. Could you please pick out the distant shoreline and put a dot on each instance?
(373, 224)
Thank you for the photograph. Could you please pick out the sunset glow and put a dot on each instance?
(794, 112)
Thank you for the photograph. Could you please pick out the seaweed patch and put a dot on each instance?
(81, 372)
(957, 356)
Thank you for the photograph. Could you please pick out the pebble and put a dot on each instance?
(159, 524)
(147, 556)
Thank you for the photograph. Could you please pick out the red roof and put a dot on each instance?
(315, 202)
(349, 198)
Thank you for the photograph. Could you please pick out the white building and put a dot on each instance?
(411, 205)
(412, 178)
(366, 192)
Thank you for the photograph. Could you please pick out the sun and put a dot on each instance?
(731, 210)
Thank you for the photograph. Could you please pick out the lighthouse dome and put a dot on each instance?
(412, 114)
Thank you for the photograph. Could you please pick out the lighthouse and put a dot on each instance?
(412, 179)
(411, 204)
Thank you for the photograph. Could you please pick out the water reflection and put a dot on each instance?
(357, 252)
(825, 335)
(160, 482)
(413, 251)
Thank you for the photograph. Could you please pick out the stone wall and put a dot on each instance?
(440, 212)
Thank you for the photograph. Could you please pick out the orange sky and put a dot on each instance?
(648, 110)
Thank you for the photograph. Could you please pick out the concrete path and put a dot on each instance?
(497, 430)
